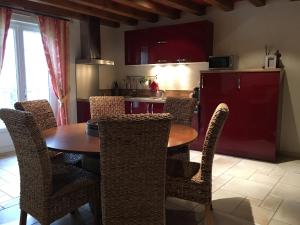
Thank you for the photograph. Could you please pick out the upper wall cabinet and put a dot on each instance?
(189, 42)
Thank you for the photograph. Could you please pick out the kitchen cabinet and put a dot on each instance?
(253, 98)
(83, 111)
(189, 42)
(135, 107)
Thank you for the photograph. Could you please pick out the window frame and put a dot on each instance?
(19, 24)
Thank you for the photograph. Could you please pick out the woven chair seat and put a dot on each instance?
(70, 178)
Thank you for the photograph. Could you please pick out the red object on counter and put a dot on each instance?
(153, 86)
(253, 98)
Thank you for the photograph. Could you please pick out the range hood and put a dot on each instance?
(91, 43)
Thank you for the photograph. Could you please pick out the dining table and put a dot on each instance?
(74, 138)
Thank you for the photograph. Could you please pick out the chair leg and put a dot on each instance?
(208, 217)
(23, 218)
(96, 210)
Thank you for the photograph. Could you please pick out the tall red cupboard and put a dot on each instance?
(253, 98)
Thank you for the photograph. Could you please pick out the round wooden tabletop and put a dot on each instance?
(73, 138)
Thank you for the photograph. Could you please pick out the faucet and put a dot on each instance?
(160, 93)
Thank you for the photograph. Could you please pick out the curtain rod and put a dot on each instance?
(28, 12)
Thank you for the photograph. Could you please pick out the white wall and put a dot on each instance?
(243, 32)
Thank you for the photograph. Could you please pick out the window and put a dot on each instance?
(24, 74)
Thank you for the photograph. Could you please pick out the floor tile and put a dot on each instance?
(219, 181)
(264, 179)
(12, 190)
(271, 203)
(222, 164)
(286, 192)
(240, 171)
(247, 188)
(10, 216)
(276, 222)
(288, 212)
(291, 179)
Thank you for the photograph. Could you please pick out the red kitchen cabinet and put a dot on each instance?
(136, 107)
(189, 42)
(253, 98)
(83, 111)
(136, 47)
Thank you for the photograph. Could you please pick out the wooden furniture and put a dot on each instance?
(189, 42)
(48, 190)
(131, 168)
(73, 138)
(45, 119)
(198, 187)
(253, 97)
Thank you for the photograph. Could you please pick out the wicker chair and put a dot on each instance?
(133, 168)
(102, 106)
(44, 117)
(48, 190)
(193, 185)
(182, 109)
(106, 106)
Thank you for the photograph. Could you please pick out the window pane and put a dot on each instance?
(36, 68)
(8, 80)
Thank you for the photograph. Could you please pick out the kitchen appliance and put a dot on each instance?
(89, 65)
(221, 62)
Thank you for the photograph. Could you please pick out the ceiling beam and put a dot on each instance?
(183, 5)
(119, 9)
(35, 8)
(89, 11)
(152, 7)
(258, 3)
(226, 5)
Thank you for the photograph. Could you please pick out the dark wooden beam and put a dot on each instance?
(119, 9)
(183, 5)
(89, 11)
(152, 7)
(226, 5)
(258, 3)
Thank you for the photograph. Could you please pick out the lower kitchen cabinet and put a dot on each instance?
(196, 144)
(136, 107)
(83, 111)
(253, 98)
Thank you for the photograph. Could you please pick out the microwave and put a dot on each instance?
(221, 62)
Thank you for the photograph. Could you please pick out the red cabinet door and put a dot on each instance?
(259, 101)
(215, 89)
(83, 111)
(157, 107)
(189, 42)
(252, 97)
(136, 47)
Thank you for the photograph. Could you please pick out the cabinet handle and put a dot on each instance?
(152, 108)
(161, 42)
(202, 82)
(131, 106)
(239, 83)
(147, 107)
(162, 61)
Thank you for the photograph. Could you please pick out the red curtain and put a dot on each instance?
(5, 15)
(55, 37)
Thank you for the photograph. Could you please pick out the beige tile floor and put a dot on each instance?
(245, 192)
